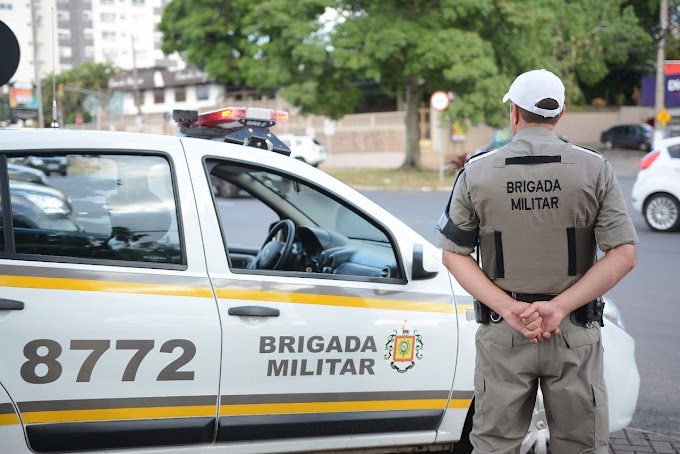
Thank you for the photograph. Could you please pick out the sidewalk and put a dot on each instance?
(624, 162)
(636, 441)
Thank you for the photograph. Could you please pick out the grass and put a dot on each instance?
(390, 179)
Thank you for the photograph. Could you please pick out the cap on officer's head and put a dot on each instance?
(532, 87)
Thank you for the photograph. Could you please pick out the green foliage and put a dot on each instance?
(89, 76)
(473, 48)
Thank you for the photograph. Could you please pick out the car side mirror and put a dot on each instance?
(418, 271)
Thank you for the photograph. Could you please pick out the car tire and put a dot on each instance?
(608, 145)
(662, 213)
(64, 173)
(644, 146)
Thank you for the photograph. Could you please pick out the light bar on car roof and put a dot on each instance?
(230, 117)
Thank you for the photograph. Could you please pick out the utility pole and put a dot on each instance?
(660, 71)
(139, 119)
(36, 63)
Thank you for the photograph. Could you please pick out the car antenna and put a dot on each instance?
(55, 123)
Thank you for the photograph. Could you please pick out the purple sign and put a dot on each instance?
(672, 98)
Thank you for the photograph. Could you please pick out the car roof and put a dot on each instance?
(47, 138)
(668, 141)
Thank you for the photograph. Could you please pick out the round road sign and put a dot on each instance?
(9, 54)
(439, 100)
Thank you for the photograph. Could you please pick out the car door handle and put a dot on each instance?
(11, 305)
(254, 311)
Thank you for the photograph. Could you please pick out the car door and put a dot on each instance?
(343, 349)
(114, 340)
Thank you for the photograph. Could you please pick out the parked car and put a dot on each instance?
(46, 164)
(28, 174)
(656, 192)
(40, 207)
(305, 148)
(638, 136)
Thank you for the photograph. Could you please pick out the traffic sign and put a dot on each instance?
(9, 53)
(439, 100)
(664, 117)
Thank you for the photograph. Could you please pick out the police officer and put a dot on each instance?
(535, 210)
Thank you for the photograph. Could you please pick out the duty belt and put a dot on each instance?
(588, 316)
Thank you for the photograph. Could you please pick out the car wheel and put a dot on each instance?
(608, 144)
(644, 146)
(662, 212)
(64, 173)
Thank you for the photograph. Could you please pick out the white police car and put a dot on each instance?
(159, 326)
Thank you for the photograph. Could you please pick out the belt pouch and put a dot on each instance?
(482, 312)
(590, 312)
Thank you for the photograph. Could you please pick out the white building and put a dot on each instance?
(123, 32)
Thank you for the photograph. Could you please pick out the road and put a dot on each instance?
(647, 297)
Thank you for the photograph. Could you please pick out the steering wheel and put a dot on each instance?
(274, 254)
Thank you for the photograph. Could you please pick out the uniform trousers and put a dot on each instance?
(570, 368)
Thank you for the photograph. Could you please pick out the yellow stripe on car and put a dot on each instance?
(333, 300)
(118, 414)
(8, 420)
(331, 407)
(103, 286)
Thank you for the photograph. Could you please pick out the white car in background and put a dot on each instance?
(656, 192)
(304, 148)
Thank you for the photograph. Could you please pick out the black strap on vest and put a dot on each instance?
(500, 263)
(522, 160)
(581, 252)
(571, 250)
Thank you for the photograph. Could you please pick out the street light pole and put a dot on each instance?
(660, 70)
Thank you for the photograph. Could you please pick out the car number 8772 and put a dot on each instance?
(51, 350)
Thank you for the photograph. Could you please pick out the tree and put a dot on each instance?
(88, 76)
(474, 48)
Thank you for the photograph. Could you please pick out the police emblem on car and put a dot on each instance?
(402, 350)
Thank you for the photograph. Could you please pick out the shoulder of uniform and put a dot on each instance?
(587, 150)
(482, 155)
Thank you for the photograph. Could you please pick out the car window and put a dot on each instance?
(324, 226)
(104, 207)
(674, 151)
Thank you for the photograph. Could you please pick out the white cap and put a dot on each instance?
(534, 86)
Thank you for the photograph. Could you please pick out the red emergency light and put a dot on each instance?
(248, 116)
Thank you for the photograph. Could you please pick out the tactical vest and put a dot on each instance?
(537, 203)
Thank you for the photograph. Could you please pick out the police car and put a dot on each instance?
(160, 325)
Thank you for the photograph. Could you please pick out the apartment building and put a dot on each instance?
(71, 32)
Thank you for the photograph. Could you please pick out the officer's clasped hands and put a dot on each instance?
(550, 315)
(530, 326)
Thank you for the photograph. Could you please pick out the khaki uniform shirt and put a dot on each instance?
(538, 205)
